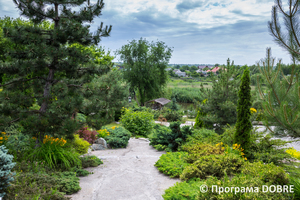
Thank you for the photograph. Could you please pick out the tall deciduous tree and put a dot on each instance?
(50, 72)
(145, 65)
(221, 98)
(243, 124)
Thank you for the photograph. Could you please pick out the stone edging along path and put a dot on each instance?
(127, 174)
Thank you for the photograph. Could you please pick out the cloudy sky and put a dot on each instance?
(200, 31)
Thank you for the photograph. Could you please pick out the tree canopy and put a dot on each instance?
(50, 72)
(145, 65)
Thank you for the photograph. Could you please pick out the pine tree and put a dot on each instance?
(243, 124)
(281, 98)
(220, 107)
(49, 71)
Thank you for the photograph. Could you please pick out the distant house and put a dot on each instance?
(158, 103)
(214, 70)
(180, 73)
(168, 69)
(204, 66)
(176, 70)
(199, 70)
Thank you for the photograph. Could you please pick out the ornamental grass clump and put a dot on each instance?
(55, 154)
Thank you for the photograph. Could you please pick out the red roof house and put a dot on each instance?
(214, 70)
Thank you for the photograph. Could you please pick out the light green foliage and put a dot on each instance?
(221, 99)
(183, 190)
(268, 173)
(81, 146)
(145, 65)
(90, 161)
(228, 136)
(243, 125)
(138, 123)
(6, 165)
(197, 150)
(118, 137)
(241, 181)
(172, 163)
(296, 183)
(281, 101)
(203, 136)
(213, 165)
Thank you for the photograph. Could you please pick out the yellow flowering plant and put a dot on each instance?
(55, 153)
(235, 149)
(253, 110)
(294, 153)
(3, 138)
(103, 133)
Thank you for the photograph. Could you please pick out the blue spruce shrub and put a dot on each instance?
(6, 165)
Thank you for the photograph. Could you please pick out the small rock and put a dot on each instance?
(260, 123)
(101, 141)
(96, 147)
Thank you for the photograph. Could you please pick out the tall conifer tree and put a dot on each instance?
(243, 124)
(50, 71)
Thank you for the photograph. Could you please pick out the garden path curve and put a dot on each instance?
(127, 174)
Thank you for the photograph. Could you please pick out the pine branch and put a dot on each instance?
(23, 80)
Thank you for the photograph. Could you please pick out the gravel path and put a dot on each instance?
(127, 174)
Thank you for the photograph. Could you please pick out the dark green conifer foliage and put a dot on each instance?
(50, 72)
(221, 98)
(243, 124)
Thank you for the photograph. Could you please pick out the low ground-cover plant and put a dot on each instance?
(117, 137)
(137, 122)
(90, 161)
(55, 155)
(294, 153)
(172, 163)
(204, 136)
(183, 190)
(213, 165)
(240, 181)
(43, 186)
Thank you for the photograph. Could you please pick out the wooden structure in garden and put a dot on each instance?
(158, 103)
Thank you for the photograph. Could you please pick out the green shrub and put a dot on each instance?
(160, 147)
(118, 137)
(228, 136)
(6, 165)
(183, 190)
(172, 137)
(172, 163)
(138, 123)
(213, 165)
(268, 173)
(172, 116)
(81, 146)
(80, 117)
(20, 146)
(198, 150)
(90, 161)
(203, 136)
(241, 181)
(55, 154)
